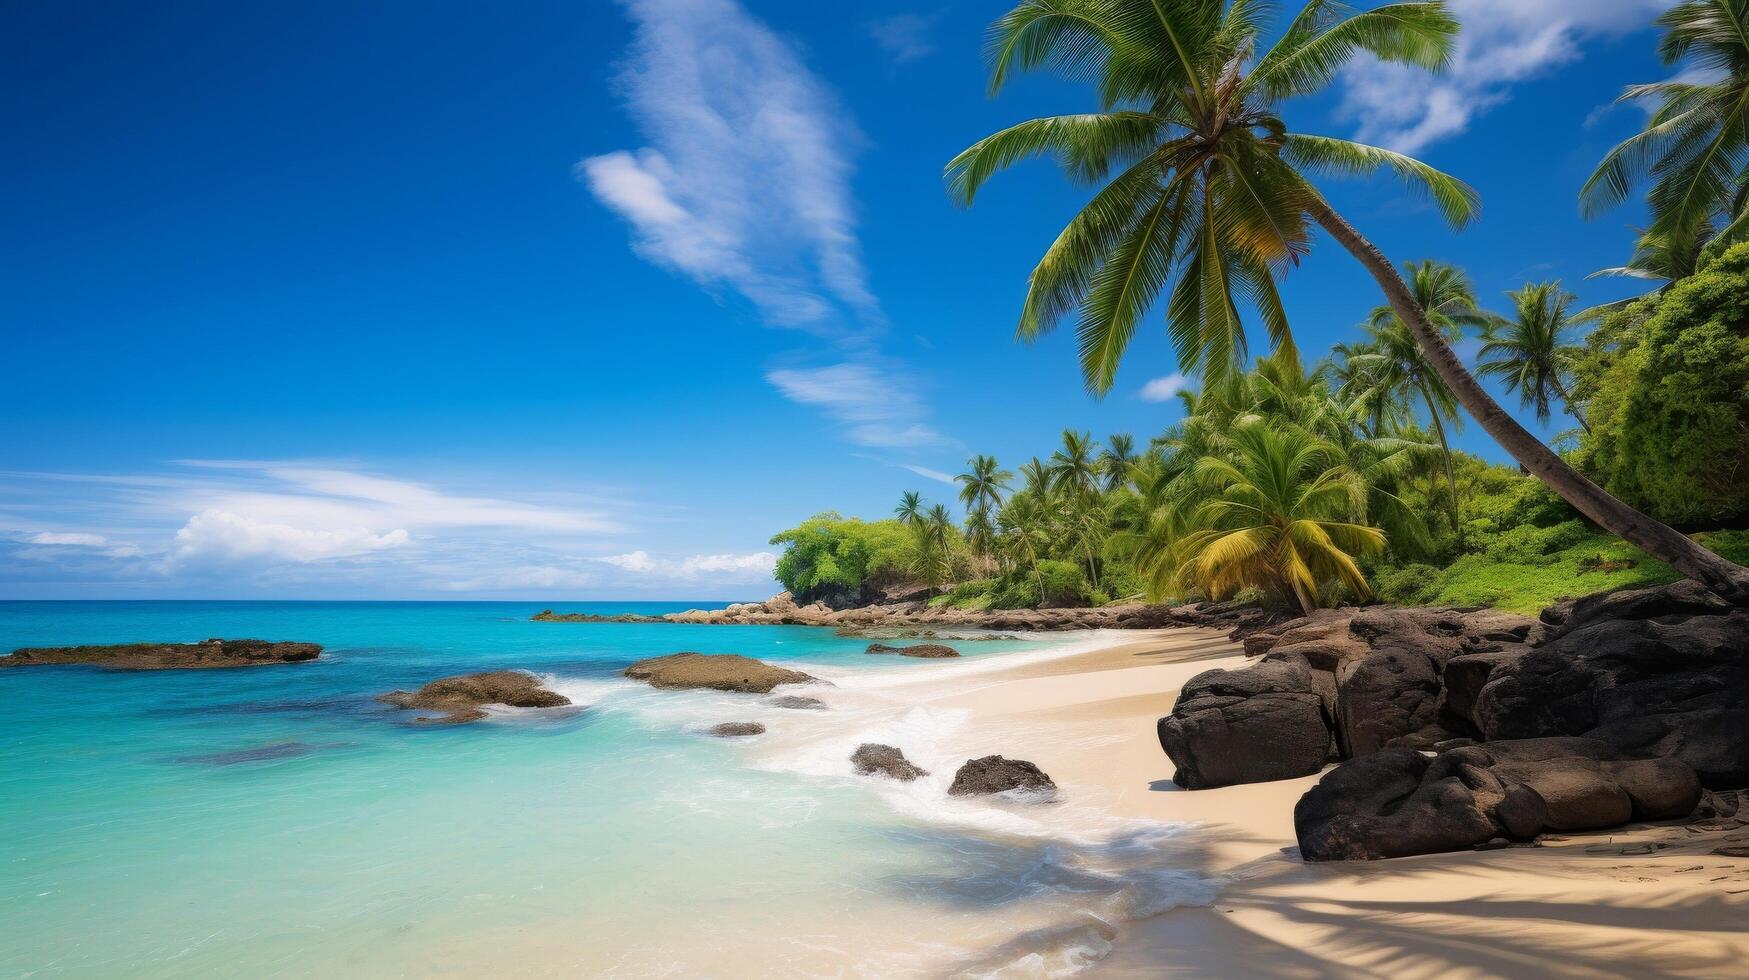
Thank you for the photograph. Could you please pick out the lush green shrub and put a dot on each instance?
(1017, 592)
(1667, 389)
(827, 552)
(1063, 583)
(1531, 545)
(1410, 585)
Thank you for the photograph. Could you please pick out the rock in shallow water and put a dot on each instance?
(798, 703)
(994, 774)
(738, 729)
(460, 699)
(715, 671)
(872, 759)
(925, 651)
(212, 653)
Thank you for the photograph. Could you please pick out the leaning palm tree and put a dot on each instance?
(1280, 517)
(1695, 145)
(1074, 468)
(1204, 183)
(982, 484)
(1531, 352)
(910, 509)
(1116, 460)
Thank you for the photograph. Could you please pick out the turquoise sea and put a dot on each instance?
(277, 821)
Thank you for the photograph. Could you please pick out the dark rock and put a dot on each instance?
(1715, 805)
(716, 671)
(1671, 684)
(1732, 850)
(460, 699)
(1245, 726)
(797, 702)
(1465, 675)
(872, 759)
(1398, 802)
(212, 653)
(927, 651)
(1680, 600)
(994, 774)
(738, 729)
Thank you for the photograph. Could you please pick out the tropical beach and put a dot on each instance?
(737, 488)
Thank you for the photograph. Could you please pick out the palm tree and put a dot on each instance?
(1037, 477)
(982, 484)
(1279, 518)
(1531, 352)
(910, 509)
(1695, 146)
(1445, 295)
(1213, 189)
(1119, 456)
(1023, 532)
(1074, 468)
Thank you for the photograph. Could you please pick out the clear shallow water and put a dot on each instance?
(278, 821)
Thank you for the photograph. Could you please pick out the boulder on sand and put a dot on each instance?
(1654, 672)
(168, 656)
(1264, 722)
(716, 671)
(460, 699)
(1398, 802)
(873, 759)
(738, 729)
(926, 651)
(994, 774)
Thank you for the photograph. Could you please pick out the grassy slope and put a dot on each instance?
(1597, 563)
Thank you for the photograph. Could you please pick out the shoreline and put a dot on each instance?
(1649, 898)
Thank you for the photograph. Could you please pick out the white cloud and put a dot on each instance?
(877, 408)
(754, 567)
(223, 537)
(904, 36)
(929, 474)
(1163, 389)
(1503, 42)
(746, 183)
(72, 539)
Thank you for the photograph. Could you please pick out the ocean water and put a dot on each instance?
(277, 821)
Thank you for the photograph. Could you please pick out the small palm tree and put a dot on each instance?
(1204, 182)
(982, 485)
(1280, 517)
(1119, 456)
(1531, 352)
(1037, 478)
(910, 509)
(1074, 468)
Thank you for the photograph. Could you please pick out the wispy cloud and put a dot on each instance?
(227, 527)
(746, 181)
(874, 407)
(1163, 389)
(929, 474)
(745, 186)
(1504, 42)
(904, 36)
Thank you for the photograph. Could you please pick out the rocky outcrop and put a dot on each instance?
(738, 729)
(209, 654)
(798, 703)
(994, 774)
(1398, 802)
(926, 651)
(454, 700)
(1268, 721)
(716, 671)
(912, 613)
(1660, 672)
(873, 759)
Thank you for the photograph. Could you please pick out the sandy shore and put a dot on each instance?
(1643, 901)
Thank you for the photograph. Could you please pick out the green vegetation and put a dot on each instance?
(1307, 487)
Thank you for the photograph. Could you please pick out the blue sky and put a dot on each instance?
(556, 300)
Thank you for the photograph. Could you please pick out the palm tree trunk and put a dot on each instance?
(1657, 539)
(1457, 522)
(1572, 409)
